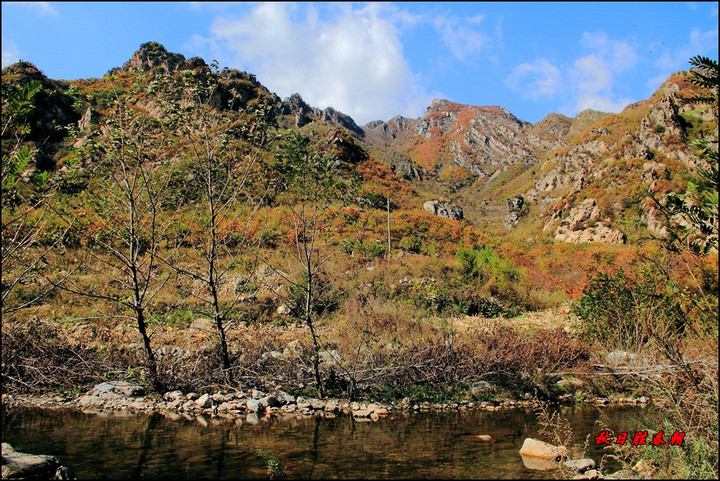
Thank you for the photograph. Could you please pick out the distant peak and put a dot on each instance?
(438, 103)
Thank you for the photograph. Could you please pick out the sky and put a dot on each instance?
(376, 60)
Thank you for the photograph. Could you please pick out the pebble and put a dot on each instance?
(193, 405)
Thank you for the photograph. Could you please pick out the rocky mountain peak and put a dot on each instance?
(151, 55)
(304, 114)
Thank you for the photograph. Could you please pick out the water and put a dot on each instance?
(428, 445)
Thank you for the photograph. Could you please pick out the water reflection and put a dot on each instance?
(440, 445)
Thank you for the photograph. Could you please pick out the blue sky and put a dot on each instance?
(377, 60)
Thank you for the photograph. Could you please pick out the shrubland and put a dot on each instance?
(193, 241)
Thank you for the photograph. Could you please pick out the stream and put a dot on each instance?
(403, 445)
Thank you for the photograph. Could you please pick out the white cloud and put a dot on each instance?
(588, 82)
(41, 8)
(461, 35)
(699, 43)
(535, 80)
(593, 76)
(350, 59)
(10, 53)
(619, 55)
(655, 82)
(601, 103)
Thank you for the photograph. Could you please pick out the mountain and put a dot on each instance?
(580, 179)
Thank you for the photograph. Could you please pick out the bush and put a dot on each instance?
(627, 311)
(411, 243)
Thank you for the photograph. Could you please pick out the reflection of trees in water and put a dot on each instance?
(435, 446)
(314, 450)
(149, 432)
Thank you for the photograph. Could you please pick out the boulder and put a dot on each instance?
(482, 387)
(271, 401)
(17, 465)
(254, 405)
(283, 310)
(511, 219)
(589, 474)
(316, 404)
(286, 398)
(579, 465)
(330, 357)
(114, 389)
(64, 473)
(174, 396)
(362, 413)
(539, 449)
(539, 464)
(204, 401)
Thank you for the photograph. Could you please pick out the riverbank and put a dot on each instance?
(121, 396)
(460, 444)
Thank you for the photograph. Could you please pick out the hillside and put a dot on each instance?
(564, 168)
(229, 223)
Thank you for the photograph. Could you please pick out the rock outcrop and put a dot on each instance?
(444, 209)
(151, 55)
(583, 224)
(304, 114)
(515, 211)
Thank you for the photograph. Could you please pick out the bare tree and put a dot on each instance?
(315, 192)
(124, 210)
(224, 168)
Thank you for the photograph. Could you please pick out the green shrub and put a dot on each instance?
(627, 311)
(411, 243)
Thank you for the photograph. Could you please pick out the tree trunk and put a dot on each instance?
(149, 354)
(316, 345)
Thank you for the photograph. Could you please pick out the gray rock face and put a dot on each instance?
(407, 169)
(583, 225)
(90, 116)
(515, 203)
(295, 105)
(444, 209)
(304, 114)
(151, 55)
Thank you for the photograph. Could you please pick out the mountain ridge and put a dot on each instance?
(459, 151)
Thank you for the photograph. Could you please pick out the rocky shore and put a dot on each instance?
(249, 407)
(125, 396)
